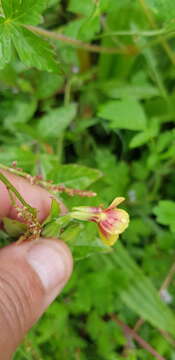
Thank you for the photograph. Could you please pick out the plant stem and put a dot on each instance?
(11, 188)
(140, 341)
(46, 185)
(127, 50)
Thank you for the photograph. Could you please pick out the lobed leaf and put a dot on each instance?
(24, 11)
(33, 50)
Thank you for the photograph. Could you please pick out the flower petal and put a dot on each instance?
(116, 222)
(115, 202)
(109, 239)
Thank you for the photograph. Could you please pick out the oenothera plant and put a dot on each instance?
(62, 223)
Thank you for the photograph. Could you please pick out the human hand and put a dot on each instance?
(32, 274)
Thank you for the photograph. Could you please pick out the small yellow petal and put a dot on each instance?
(116, 202)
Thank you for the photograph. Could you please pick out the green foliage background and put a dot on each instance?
(63, 104)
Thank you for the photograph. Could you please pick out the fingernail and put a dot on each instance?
(49, 260)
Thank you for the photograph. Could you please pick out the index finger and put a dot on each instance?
(34, 195)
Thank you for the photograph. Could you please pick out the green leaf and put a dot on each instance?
(163, 9)
(24, 11)
(71, 233)
(75, 176)
(87, 243)
(24, 157)
(19, 111)
(5, 44)
(117, 90)
(81, 29)
(81, 7)
(124, 114)
(54, 212)
(33, 50)
(140, 295)
(144, 137)
(165, 211)
(87, 7)
(55, 226)
(56, 121)
(54, 83)
(13, 228)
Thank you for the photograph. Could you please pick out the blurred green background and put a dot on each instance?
(111, 110)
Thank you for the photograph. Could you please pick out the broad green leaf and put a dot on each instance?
(164, 212)
(75, 176)
(33, 50)
(56, 121)
(140, 294)
(124, 114)
(117, 91)
(24, 11)
(5, 44)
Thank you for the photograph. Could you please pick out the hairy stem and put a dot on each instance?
(127, 50)
(12, 189)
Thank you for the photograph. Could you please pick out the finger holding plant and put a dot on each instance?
(60, 223)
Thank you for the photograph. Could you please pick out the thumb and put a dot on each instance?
(31, 276)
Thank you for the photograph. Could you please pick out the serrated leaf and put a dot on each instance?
(24, 11)
(33, 50)
(75, 176)
(124, 114)
(55, 122)
(5, 44)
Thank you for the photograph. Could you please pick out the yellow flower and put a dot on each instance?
(111, 221)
